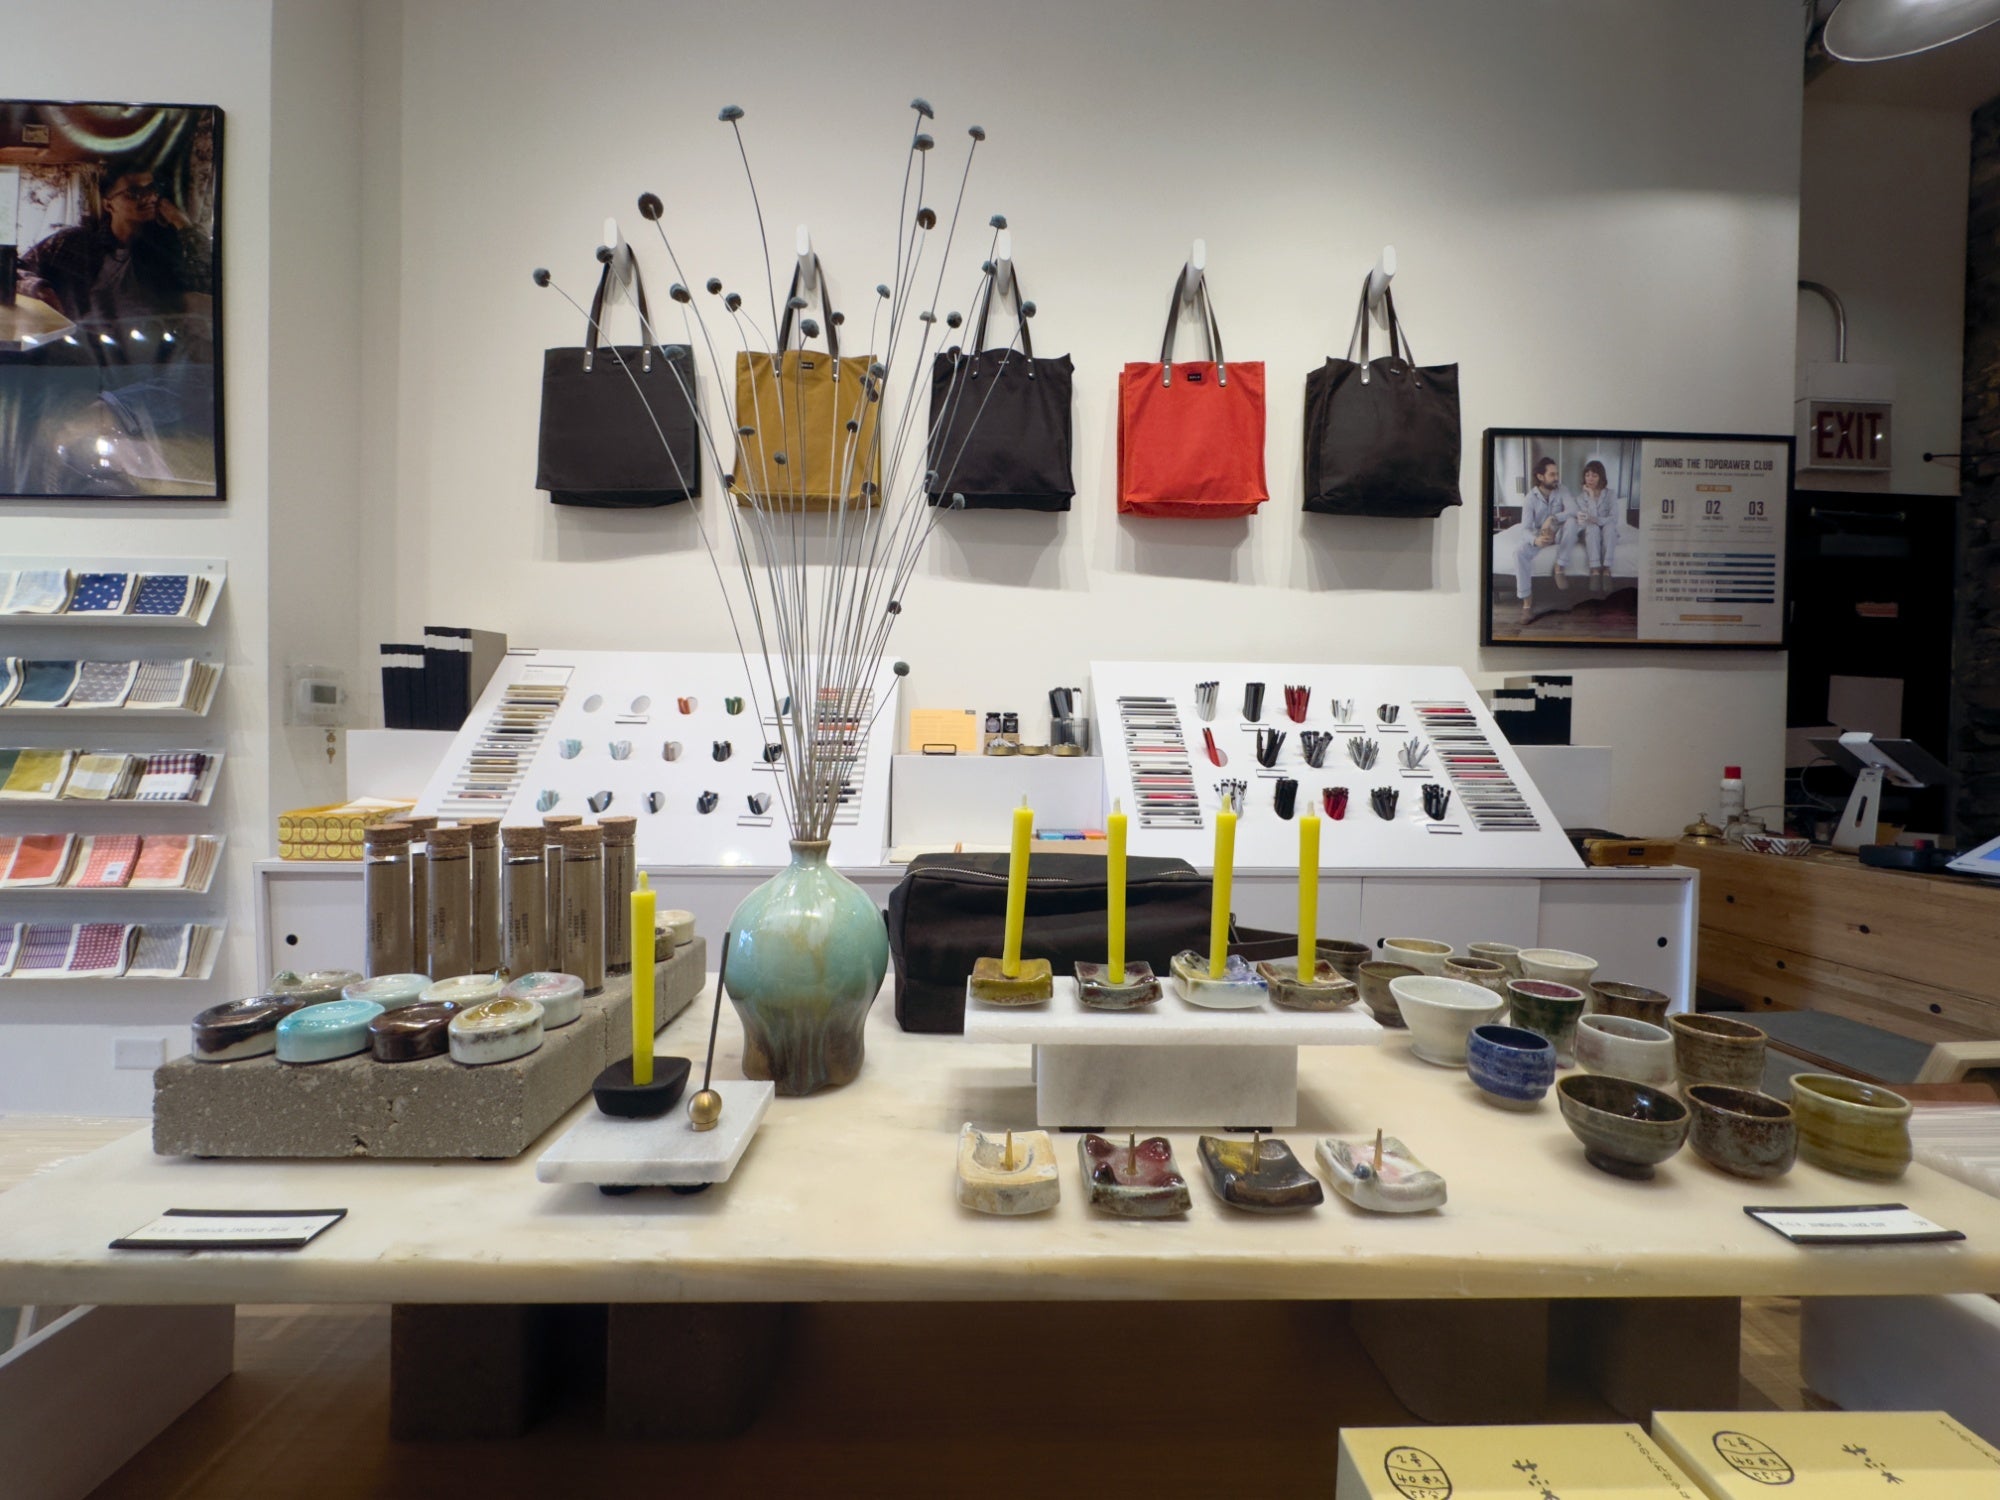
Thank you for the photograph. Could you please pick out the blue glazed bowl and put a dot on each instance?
(1512, 1066)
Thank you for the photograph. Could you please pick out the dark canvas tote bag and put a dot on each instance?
(1000, 421)
(1191, 436)
(1381, 436)
(620, 428)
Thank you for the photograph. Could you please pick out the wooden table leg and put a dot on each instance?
(1643, 1354)
(466, 1371)
(1460, 1361)
(689, 1370)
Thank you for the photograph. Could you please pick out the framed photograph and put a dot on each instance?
(110, 301)
(1634, 538)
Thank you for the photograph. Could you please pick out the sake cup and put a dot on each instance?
(1716, 1049)
(1426, 955)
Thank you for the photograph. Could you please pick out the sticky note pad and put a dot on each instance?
(1608, 1461)
(1829, 1455)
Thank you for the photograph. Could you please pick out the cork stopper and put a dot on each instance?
(619, 830)
(519, 838)
(555, 822)
(451, 841)
(581, 843)
(385, 835)
(485, 831)
(422, 822)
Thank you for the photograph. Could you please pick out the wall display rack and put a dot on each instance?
(205, 578)
(129, 690)
(677, 739)
(56, 947)
(1397, 730)
(89, 872)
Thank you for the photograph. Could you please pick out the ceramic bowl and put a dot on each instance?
(1850, 1127)
(1745, 1133)
(1573, 969)
(1346, 956)
(1624, 1048)
(1610, 998)
(1626, 1128)
(1717, 1049)
(1547, 1009)
(1374, 977)
(1427, 955)
(1504, 954)
(1441, 1014)
(1480, 971)
(1512, 1067)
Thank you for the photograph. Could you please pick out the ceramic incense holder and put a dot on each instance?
(560, 996)
(1239, 988)
(1095, 989)
(1328, 989)
(314, 988)
(618, 1096)
(390, 991)
(1380, 1175)
(241, 1028)
(1034, 985)
(497, 1031)
(1133, 1179)
(1259, 1176)
(320, 1033)
(1010, 1173)
(466, 990)
(410, 1033)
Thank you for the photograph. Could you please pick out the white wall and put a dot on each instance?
(1882, 203)
(1596, 208)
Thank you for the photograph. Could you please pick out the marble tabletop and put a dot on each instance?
(849, 1196)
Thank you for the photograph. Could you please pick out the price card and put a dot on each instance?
(231, 1229)
(1852, 1224)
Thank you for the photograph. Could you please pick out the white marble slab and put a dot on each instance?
(1171, 1022)
(667, 1152)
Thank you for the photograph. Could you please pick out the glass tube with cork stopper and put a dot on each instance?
(552, 853)
(524, 909)
(583, 905)
(450, 903)
(385, 896)
(621, 873)
(485, 893)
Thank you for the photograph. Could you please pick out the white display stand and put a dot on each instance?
(665, 1152)
(1361, 840)
(1171, 1065)
(634, 696)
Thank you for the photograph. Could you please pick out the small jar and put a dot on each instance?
(451, 902)
(552, 854)
(485, 893)
(583, 905)
(420, 827)
(621, 873)
(385, 895)
(524, 910)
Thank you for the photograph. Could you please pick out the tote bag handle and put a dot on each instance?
(646, 338)
(1210, 330)
(1399, 342)
(986, 304)
(825, 317)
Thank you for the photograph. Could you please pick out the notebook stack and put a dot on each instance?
(180, 686)
(105, 950)
(60, 591)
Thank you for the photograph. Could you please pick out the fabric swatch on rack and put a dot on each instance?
(101, 950)
(38, 591)
(101, 594)
(101, 776)
(9, 842)
(162, 594)
(37, 775)
(163, 861)
(104, 861)
(44, 949)
(41, 859)
(45, 684)
(171, 776)
(160, 684)
(10, 679)
(161, 952)
(103, 684)
(10, 946)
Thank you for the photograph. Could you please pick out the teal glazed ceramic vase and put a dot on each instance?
(807, 952)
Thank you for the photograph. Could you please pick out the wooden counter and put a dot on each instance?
(1918, 955)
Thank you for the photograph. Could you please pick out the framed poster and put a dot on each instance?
(110, 301)
(1598, 538)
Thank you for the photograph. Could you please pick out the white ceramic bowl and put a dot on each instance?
(1621, 1047)
(1559, 964)
(1427, 954)
(1441, 1014)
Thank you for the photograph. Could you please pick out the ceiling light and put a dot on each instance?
(1862, 31)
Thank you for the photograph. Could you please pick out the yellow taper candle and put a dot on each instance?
(1017, 890)
(1225, 868)
(1114, 879)
(1308, 898)
(642, 981)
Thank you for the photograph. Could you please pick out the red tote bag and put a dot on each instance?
(1191, 435)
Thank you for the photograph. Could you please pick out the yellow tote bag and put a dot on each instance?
(812, 422)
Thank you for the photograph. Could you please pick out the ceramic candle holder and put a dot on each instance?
(1504, 954)
(1573, 969)
(560, 996)
(1346, 956)
(1717, 1049)
(1608, 997)
(1850, 1127)
(1239, 988)
(1096, 991)
(390, 991)
(1259, 1176)
(1011, 1173)
(1626, 1128)
(619, 1096)
(240, 1028)
(1426, 955)
(1326, 990)
(1745, 1134)
(1441, 1014)
(1624, 1048)
(1484, 972)
(412, 1032)
(989, 985)
(1391, 1182)
(496, 1031)
(320, 1033)
(1512, 1067)
(1133, 1179)
(1373, 979)
(1549, 1009)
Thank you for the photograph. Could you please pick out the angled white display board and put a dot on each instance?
(556, 729)
(1155, 720)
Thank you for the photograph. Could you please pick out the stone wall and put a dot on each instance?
(1975, 751)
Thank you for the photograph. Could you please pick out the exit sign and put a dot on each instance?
(1850, 435)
